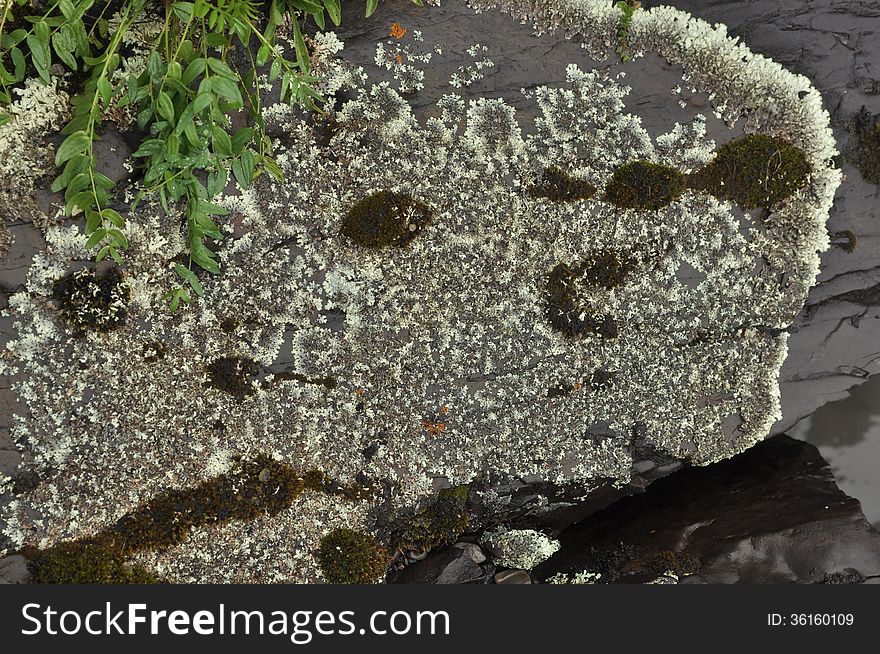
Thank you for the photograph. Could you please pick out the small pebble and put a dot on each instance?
(512, 577)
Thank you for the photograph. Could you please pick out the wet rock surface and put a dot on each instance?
(771, 515)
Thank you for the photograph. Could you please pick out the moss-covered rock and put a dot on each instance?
(440, 523)
(347, 556)
(754, 171)
(644, 185)
(558, 186)
(92, 302)
(79, 563)
(385, 219)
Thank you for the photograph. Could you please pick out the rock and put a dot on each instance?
(521, 548)
(14, 570)
(772, 514)
(112, 153)
(458, 564)
(512, 577)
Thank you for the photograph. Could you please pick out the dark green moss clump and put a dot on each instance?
(644, 185)
(92, 302)
(78, 563)
(568, 307)
(557, 185)
(385, 219)
(233, 375)
(347, 556)
(754, 171)
(440, 523)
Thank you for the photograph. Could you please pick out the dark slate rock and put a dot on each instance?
(772, 514)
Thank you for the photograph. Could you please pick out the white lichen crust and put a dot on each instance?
(520, 548)
(443, 359)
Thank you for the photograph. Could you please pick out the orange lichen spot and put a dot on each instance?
(434, 428)
(359, 391)
(399, 58)
(397, 31)
(444, 410)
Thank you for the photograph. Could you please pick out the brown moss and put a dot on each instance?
(754, 171)
(253, 488)
(867, 156)
(385, 219)
(92, 302)
(644, 185)
(846, 240)
(558, 186)
(568, 307)
(346, 556)
(233, 375)
(257, 487)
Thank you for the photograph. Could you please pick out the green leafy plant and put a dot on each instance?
(628, 8)
(182, 101)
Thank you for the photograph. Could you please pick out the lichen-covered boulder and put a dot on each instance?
(404, 355)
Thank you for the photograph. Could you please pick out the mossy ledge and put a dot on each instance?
(346, 556)
(253, 488)
(385, 219)
(754, 171)
(558, 186)
(644, 185)
(92, 302)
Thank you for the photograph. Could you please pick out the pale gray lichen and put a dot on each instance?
(452, 325)
(583, 577)
(26, 154)
(520, 548)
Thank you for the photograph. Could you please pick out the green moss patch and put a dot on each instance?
(385, 219)
(347, 556)
(440, 523)
(92, 302)
(754, 171)
(76, 563)
(557, 185)
(644, 185)
(569, 289)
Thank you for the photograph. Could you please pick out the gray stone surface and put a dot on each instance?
(13, 570)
